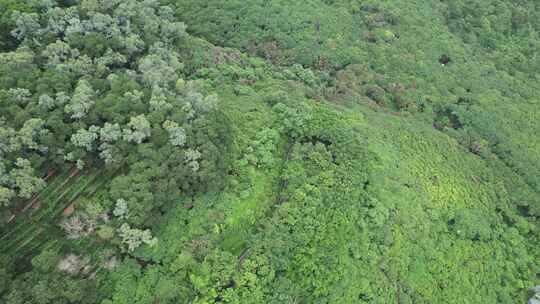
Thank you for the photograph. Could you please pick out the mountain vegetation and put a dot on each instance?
(318, 151)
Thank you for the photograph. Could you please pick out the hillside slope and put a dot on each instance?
(465, 66)
(271, 152)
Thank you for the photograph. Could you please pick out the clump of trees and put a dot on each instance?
(101, 84)
(106, 78)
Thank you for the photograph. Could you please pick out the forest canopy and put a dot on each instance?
(346, 151)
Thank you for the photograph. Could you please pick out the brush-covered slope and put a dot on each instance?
(466, 66)
(276, 152)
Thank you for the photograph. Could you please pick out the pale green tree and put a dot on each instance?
(6, 195)
(24, 178)
(82, 100)
(30, 132)
(110, 132)
(59, 53)
(85, 138)
(177, 134)
(20, 95)
(138, 129)
(47, 102)
(192, 158)
(133, 237)
(27, 24)
(121, 208)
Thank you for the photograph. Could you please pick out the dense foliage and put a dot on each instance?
(343, 151)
